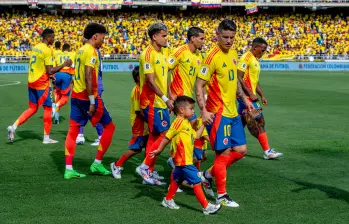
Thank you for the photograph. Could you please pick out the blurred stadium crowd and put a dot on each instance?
(296, 34)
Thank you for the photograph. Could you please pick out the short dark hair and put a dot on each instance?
(182, 101)
(227, 24)
(57, 44)
(194, 32)
(259, 40)
(47, 32)
(66, 47)
(135, 74)
(156, 28)
(93, 28)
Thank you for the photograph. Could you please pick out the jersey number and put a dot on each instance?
(160, 114)
(227, 129)
(77, 76)
(163, 70)
(32, 62)
(63, 58)
(231, 75)
(192, 71)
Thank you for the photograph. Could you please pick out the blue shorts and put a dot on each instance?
(189, 173)
(62, 83)
(198, 153)
(193, 117)
(158, 119)
(138, 142)
(40, 97)
(79, 116)
(226, 132)
(242, 107)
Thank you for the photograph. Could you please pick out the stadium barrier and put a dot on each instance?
(265, 66)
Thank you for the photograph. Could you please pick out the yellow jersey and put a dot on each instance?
(139, 127)
(41, 56)
(219, 70)
(182, 137)
(56, 53)
(151, 61)
(63, 56)
(186, 66)
(86, 56)
(250, 65)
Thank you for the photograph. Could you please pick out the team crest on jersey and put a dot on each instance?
(225, 141)
(234, 61)
(198, 61)
(164, 123)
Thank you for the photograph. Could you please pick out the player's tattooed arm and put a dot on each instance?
(241, 94)
(200, 89)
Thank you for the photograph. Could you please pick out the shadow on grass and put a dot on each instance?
(24, 135)
(332, 192)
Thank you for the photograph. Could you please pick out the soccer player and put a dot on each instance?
(99, 128)
(139, 129)
(86, 104)
(185, 62)
(154, 102)
(248, 74)
(41, 70)
(227, 136)
(62, 82)
(182, 135)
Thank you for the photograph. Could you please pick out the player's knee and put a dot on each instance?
(110, 127)
(241, 149)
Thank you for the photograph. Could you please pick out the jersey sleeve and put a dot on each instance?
(207, 69)
(243, 63)
(48, 59)
(135, 99)
(174, 59)
(91, 58)
(175, 128)
(148, 66)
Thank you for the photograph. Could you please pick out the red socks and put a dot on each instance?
(105, 141)
(122, 160)
(70, 144)
(47, 120)
(263, 140)
(200, 195)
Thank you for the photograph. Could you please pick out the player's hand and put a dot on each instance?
(52, 77)
(154, 153)
(68, 63)
(169, 104)
(264, 101)
(207, 118)
(253, 97)
(91, 109)
(249, 106)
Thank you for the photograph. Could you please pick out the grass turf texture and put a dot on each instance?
(307, 120)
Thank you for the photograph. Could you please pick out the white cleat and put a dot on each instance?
(169, 204)
(207, 184)
(96, 142)
(271, 154)
(179, 190)
(155, 175)
(145, 175)
(225, 200)
(80, 140)
(49, 141)
(211, 209)
(170, 163)
(159, 183)
(10, 133)
(116, 171)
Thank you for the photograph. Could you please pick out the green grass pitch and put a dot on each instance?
(307, 120)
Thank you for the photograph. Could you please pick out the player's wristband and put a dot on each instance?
(164, 98)
(92, 99)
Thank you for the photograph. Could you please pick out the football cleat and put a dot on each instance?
(169, 204)
(271, 154)
(225, 200)
(211, 209)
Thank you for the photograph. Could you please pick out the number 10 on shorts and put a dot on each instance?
(227, 130)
